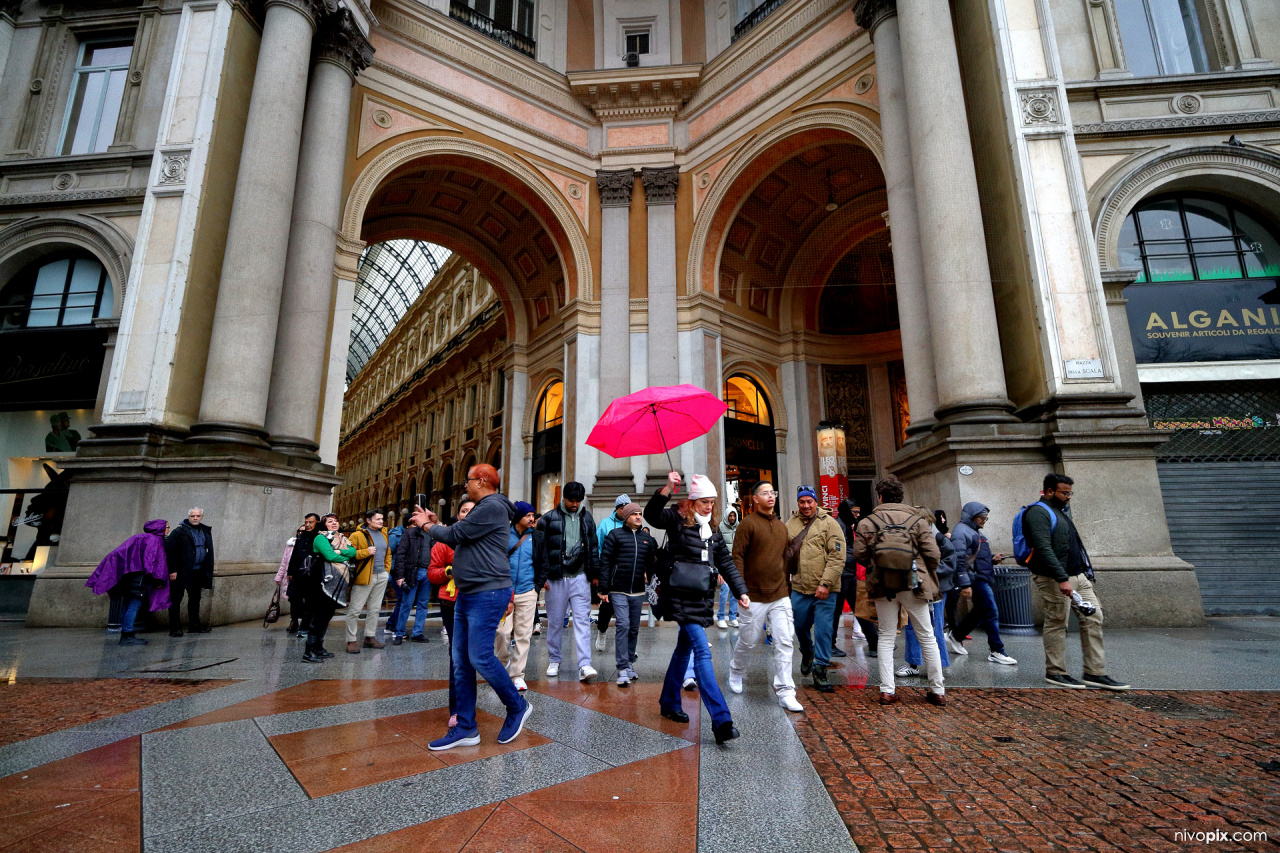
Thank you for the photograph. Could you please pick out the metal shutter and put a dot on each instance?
(1224, 518)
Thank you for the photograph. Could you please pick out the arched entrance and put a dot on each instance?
(548, 446)
(750, 447)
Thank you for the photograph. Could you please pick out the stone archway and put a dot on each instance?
(28, 240)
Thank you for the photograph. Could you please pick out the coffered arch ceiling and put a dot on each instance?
(783, 245)
(482, 213)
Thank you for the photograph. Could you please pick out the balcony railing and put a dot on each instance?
(757, 15)
(460, 11)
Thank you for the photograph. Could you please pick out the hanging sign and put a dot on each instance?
(1204, 320)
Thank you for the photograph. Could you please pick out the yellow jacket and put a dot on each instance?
(821, 555)
(362, 541)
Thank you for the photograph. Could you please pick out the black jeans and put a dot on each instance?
(605, 614)
(176, 590)
(299, 602)
(322, 609)
(848, 592)
(446, 616)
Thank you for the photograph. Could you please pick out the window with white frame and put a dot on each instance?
(66, 291)
(1162, 37)
(97, 91)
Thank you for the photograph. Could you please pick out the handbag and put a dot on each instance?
(336, 582)
(273, 609)
(697, 579)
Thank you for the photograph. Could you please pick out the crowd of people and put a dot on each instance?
(781, 584)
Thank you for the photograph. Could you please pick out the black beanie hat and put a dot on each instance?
(574, 491)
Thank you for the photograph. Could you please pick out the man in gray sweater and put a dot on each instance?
(482, 576)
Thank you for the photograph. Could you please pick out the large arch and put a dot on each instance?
(749, 167)
(29, 240)
(1248, 174)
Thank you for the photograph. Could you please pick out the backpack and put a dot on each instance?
(1023, 552)
(892, 567)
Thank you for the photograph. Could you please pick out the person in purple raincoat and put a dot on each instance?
(136, 571)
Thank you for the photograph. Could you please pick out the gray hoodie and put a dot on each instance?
(973, 552)
(480, 543)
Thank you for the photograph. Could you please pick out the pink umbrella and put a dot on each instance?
(655, 420)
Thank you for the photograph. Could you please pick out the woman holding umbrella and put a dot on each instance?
(688, 591)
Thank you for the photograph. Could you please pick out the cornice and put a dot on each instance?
(75, 197)
(1083, 89)
(1177, 123)
(621, 93)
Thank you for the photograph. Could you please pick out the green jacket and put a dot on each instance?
(1051, 551)
(821, 555)
(325, 549)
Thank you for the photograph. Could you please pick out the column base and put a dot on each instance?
(918, 429)
(607, 487)
(229, 433)
(296, 446)
(994, 410)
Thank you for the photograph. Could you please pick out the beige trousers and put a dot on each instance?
(521, 622)
(1057, 610)
(366, 595)
(920, 612)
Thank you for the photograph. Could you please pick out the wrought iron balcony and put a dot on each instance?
(757, 15)
(460, 11)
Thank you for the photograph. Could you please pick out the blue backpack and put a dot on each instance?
(1022, 552)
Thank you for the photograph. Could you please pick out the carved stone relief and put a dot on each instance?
(173, 168)
(847, 403)
(1040, 107)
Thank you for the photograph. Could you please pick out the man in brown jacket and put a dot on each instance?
(758, 545)
(817, 537)
(901, 535)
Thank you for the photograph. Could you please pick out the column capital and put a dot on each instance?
(615, 186)
(342, 43)
(312, 10)
(660, 184)
(869, 14)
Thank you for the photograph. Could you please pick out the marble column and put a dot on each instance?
(237, 378)
(306, 309)
(880, 18)
(614, 475)
(663, 347)
(968, 366)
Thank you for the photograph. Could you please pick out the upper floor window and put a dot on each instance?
(508, 22)
(96, 94)
(752, 12)
(550, 407)
(746, 399)
(1197, 238)
(1162, 36)
(69, 291)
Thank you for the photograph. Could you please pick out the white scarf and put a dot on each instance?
(704, 525)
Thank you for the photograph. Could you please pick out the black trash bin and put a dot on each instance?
(1013, 597)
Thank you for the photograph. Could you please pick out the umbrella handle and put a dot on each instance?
(653, 409)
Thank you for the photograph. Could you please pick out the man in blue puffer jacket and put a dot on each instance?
(973, 555)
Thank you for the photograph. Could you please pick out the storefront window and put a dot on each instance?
(746, 401)
(548, 443)
(1197, 238)
(749, 440)
(69, 291)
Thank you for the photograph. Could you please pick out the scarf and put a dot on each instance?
(704, 525)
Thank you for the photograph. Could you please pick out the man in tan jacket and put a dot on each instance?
(896, 544)
(369, 584)
(815, 559)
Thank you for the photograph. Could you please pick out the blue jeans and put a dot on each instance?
(131, 608)
(818, 617)
(692, 640)
(984, 612)
(726, 596)
(475, 622)
(626, 612)
(407, 597)
(939, 629)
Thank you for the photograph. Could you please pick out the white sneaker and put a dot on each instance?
(790, 703)
(600, 641)
(735, 683)
(721, 624)
(623, 678)
(587, 674)
(690, 683)
(733, 623)
(906, 671)
(955, 646)
(444, 634)
(1001, 657)
(537, 629)
(553, 669)
(653, 622)
(520, 685)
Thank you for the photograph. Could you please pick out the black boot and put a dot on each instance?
(806, 662)
(820, 682)
(726, 732)
(293, 626)
(127, 638)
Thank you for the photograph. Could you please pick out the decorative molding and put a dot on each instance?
(869, 14)
(66, 181)
(615, 186)
(1040, 107)
(660, 184)
(1187, 104)
(173, 168)
(342, 43)
(627, 93)
(1147, 125)
(115, 256)
(1257, 165)
(112, 194)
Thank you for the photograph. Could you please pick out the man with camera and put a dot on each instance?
(572, 566)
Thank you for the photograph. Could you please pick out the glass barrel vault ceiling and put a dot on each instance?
(391, 276)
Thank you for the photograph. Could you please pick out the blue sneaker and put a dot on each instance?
(514, 723)
(455, 737)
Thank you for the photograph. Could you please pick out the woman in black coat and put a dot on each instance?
(693, 537)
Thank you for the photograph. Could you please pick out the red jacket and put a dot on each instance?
(440, 571)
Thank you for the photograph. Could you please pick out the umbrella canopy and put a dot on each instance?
(655, 420)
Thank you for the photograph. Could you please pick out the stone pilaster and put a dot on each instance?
(293, 416)
(969, 369)
(614, 475)
(663, 348)
(237, 381)
(880, 18)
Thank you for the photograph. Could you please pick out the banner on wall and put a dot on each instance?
(51, 368)
(833, 466)
(1204, 320)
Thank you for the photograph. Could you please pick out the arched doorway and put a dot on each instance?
(750, 446)
(445, 508)
(548, 446)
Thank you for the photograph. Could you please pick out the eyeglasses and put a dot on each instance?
(766, 494)
(469, 479)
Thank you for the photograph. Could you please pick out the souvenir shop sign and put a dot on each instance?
(51, 368)
(1204, 320)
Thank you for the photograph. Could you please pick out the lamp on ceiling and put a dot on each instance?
(831, 196)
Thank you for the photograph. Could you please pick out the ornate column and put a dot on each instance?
(879, 17)
(969, 370)
(660, 186)
(614, 475)
(237, 378)
(299, 366)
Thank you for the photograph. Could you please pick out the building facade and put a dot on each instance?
(359, 245)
